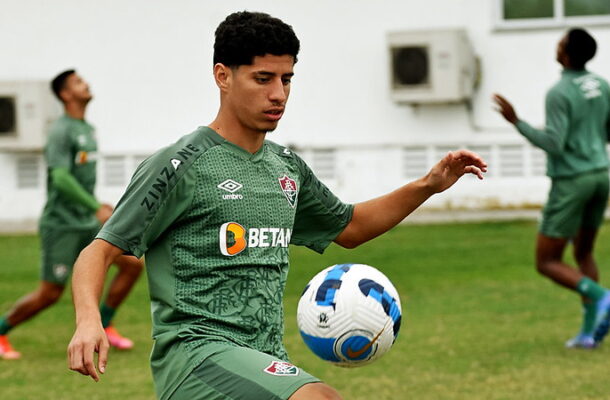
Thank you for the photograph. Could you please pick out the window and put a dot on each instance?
(28, 172)
(414, 161)
(114, 170)
(551, 13)
(323, 163)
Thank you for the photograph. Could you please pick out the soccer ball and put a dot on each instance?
(349, 314)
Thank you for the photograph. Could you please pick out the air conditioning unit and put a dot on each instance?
(26, 110)
(436, 66)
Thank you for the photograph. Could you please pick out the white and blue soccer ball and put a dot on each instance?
(349, 314)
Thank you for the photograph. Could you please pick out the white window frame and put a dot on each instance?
(559, 20)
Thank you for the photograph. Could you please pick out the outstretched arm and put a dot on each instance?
(550, 139)
(375, 217)
(87, 286)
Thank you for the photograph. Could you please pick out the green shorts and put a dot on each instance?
(242, 373)
(59, 250)
(574, 203)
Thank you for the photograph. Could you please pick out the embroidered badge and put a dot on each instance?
(282, 368)
(289, 187)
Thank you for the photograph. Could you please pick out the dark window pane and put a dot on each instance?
(586, 7)
(521, 9)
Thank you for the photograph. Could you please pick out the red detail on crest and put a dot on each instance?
(290, 189)
(282, 368)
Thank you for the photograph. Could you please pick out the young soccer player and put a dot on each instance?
(71, 217)
(575, 137)
(215, 213)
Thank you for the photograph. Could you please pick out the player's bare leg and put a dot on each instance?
(32, 303)
(25, 308)
(315, 391)
(549, 262)
(129, 269)
(583, 254)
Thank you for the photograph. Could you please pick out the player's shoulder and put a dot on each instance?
(60, 126)
(188, 147)
(285, 153)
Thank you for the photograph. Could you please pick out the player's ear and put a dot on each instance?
(222, 76)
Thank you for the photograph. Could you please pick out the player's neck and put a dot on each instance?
(234, 132)
(75, 110)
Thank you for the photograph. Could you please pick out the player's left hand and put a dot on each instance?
(452, 167)
(505, 108)
(88, 339)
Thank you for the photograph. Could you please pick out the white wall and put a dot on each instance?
(149, 65)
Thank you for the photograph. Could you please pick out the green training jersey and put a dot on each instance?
(577, 125)
(215, 222)
(71, 144)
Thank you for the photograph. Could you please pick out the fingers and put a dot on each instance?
(81, 357)
(467, 157)
(474, 170)
(88, 364)
(102, 357)
(500, 100)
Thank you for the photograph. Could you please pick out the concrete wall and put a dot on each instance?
(149, 65)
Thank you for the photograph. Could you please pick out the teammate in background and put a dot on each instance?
(214, 214)
(71, 217)
(575, 136)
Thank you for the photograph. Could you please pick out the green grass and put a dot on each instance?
(478, 323)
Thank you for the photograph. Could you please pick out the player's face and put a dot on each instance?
(561, 56)
(258, 93)
(76, 89)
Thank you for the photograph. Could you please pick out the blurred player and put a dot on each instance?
(71, 217)
(215, 213)
(575, 137)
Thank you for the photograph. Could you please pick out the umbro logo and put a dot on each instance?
(231, 186)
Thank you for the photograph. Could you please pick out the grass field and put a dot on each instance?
(478, 323)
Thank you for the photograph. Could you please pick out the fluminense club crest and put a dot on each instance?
(289, 187)
(282, 368)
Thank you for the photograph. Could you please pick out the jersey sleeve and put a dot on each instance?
(58, 151)
(320, 215)
(160, 191)
(553, 137)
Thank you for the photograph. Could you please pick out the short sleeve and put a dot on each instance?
(58, 151)
(320, 215)
(160, 191)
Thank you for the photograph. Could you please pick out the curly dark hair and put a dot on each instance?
(58, 83)
(580, 47)
(244, 35)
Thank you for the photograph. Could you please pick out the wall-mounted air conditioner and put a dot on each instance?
(26, 110)
(436, 66)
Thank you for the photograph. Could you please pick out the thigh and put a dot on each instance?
(563, 213)
(241, 373)
(596, 206)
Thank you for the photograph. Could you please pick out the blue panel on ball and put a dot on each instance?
(371, 288)
(325, 296)
(356, 348)
(322, 347)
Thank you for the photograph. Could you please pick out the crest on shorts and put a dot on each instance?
(60, 271)
(289, 187)
(282, 368)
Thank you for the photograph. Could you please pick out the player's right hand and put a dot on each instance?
(103, 213)
(88, 339)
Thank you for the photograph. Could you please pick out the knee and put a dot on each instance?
(317, 391)
(543, 267)
(49, 295)
(130, 266)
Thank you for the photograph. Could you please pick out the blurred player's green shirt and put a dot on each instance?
(71, 144)
(215, 223)
(577, 125)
